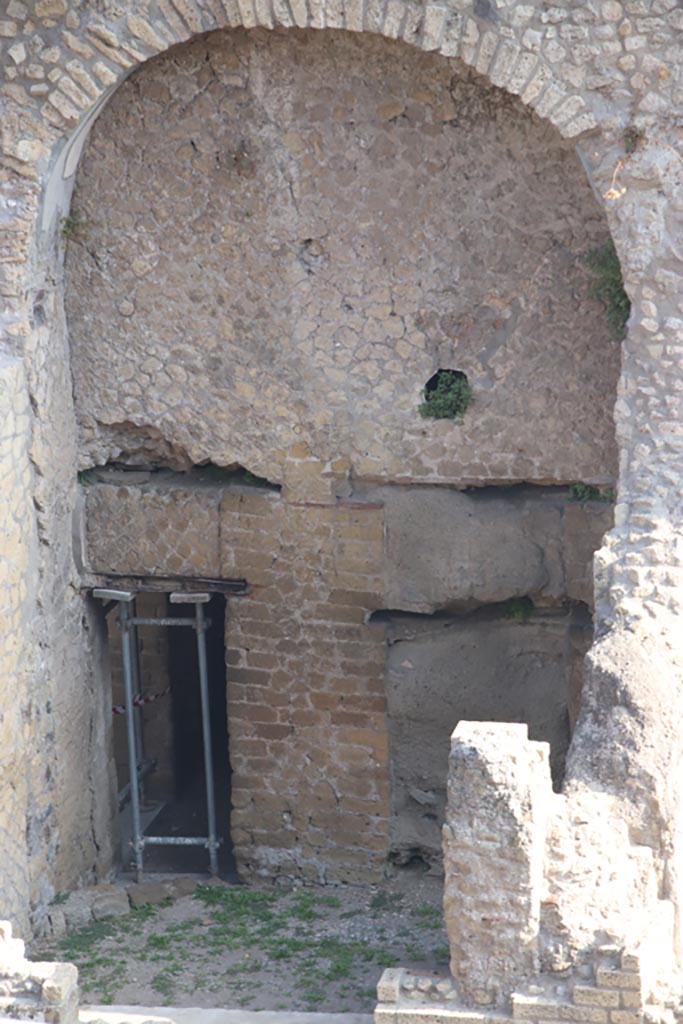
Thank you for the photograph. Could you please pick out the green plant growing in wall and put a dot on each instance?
(518, 609)
(633, 136)
(447, 396)
(608, 286)
(74, 226)
(587, 492)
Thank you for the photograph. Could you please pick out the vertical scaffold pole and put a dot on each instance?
(127, 637)
(206, 729)
(137, 692)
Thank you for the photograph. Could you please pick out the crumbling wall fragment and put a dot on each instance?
(35, 991)
(499, 796)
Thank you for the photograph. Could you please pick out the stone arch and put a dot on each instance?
(95, 58)
(53, 87)
(314, 41)
(480, 42)
(67, 83)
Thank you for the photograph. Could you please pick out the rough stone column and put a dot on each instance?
(628, 746)
(499, 795)
(18, 562)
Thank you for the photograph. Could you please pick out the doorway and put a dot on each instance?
(168, 727)
(185, 812)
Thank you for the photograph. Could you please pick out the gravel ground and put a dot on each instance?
(307, 948)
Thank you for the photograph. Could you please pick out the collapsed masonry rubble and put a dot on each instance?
(35, 991)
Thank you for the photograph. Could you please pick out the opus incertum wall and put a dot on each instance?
(593, 71)
(274, 254)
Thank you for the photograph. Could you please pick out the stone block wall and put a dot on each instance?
(310, 671)
(296, 263)
(500, 816)
(306, 701)
(56, 781)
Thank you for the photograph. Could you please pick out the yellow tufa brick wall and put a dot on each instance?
(306, 697)
(306, 702)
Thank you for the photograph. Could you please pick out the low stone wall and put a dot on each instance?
(612, 993)
(494, 837)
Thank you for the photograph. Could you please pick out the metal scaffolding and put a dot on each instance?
(129, 621)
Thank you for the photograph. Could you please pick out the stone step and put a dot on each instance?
(604, 1007)
(533, 1008)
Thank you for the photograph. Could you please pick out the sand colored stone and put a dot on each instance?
(613, 856)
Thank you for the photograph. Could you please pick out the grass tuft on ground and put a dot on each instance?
(259, 949)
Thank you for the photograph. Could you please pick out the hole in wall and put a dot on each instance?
(443, 378)
(410, 861)
(209, 472)
(447, 396)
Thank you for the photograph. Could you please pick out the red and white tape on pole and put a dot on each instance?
(120, 709)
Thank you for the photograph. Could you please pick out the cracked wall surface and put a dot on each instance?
(592, 70)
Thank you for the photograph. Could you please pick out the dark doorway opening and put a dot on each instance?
(185, 810)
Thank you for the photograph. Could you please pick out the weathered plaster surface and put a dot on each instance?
(481, 668)
(447, 549)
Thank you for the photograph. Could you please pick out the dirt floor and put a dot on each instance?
(276, 948)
